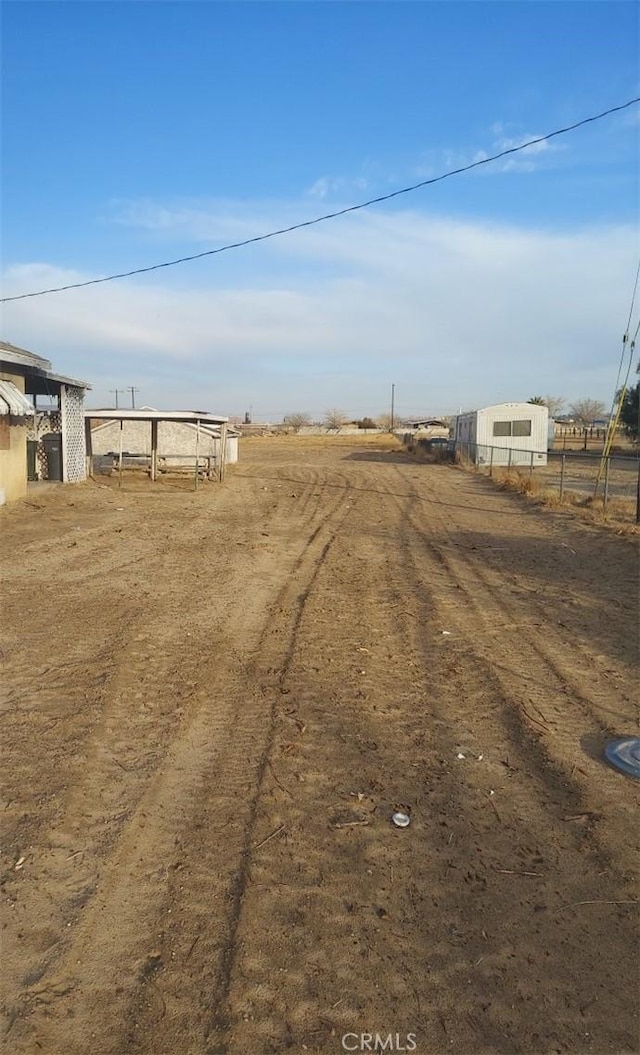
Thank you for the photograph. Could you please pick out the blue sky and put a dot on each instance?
(137, 132)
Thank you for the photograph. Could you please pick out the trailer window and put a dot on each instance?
(502, 428)
(522, 428)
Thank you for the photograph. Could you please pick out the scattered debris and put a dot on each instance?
(350, 824)
(516, 872)
(446, 633)
(460, 755)
(400, 819)
(578, 904)
(278, 831)
(492, 803)
(19, 863)
(624, 754)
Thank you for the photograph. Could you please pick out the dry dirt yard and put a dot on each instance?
(212, 703)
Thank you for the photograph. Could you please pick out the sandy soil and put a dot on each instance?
(213, 701)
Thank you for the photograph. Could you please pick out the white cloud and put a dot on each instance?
(453, 312)
(528, 159)
(327, 186)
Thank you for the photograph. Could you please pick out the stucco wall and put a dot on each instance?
(13, 466)
(13, 461)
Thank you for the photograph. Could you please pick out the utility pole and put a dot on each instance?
(115, 392)
(393, 400)
(638, 486)
(133, 391)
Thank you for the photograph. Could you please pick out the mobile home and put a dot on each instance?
(504, 434)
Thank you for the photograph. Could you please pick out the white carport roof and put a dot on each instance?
(157, 415)
(13, 401)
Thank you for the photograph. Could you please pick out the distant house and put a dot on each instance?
(503, 434)
(41, 423)
(428, 427)
(425, 423)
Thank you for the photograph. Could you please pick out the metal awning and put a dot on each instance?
(146, 414)
(13, 401)
(197, 418)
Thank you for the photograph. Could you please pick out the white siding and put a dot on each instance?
(477, 428)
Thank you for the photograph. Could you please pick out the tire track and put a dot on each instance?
(543, 714)
(222, 746)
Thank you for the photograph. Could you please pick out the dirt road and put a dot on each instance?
(212, 703)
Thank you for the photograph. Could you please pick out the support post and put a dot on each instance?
(491, 462)
(531, 466)
(223, 449)
(195, 481)
(562, 461)
(87, 445)
(120, 456)
(154, 450)
(605, 496)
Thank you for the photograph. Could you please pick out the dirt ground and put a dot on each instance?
(212, 703)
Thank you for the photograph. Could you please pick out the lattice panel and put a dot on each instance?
(73, 441)
(46, 422)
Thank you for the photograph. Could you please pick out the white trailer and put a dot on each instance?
(504, 434)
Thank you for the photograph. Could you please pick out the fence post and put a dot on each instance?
(638, 496)
(562, 461)
(509, 459)
(605, 497)
(531, 466)
(491, 462)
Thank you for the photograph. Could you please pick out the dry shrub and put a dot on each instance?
(522, 483)
(619, 514)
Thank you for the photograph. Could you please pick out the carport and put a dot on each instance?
(193, 417)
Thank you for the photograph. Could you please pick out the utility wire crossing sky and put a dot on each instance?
(331, 215)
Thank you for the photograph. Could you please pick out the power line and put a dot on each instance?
(330, 215)
(633, 301)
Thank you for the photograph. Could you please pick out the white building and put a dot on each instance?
(504, 434)
(177, 440)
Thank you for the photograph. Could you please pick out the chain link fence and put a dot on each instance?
(571, 477)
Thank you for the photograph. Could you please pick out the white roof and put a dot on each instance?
(13, 401)
(157, 415)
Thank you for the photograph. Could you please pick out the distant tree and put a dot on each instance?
(366, 423)
(630, 413)
(555, 405)
(383, 421)
(586, 411)
(297, 420)
(334, 419)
